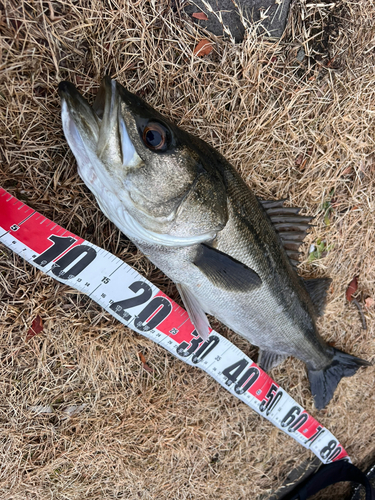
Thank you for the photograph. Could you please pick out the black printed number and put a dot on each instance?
(60, 244)
(331, 451)
(80, 256)
(205, 349)
(293, 419)
(319, 431)
(153, 314)
(271, 400)
(70, 264)
(185, 349)
(196, 348)
(247, 380)
(121, 306)
(233, 371)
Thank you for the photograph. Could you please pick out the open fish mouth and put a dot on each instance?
(97, 134)
(77, 112)
(103, 150)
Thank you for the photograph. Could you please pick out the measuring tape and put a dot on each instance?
(140, 305)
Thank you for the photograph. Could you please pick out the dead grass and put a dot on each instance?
(299, 130)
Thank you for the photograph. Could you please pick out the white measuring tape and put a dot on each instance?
(140, 305)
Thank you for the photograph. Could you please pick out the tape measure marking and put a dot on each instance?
(140, 305)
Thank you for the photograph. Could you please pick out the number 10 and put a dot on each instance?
(70, 264)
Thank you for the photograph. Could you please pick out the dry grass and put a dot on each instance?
(293, 129)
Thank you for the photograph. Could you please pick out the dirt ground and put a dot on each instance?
(297, 120)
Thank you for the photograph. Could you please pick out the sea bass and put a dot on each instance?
(188, 210)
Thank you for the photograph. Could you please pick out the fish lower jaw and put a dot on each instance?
(93, 178)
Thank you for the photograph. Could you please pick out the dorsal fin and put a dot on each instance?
(291, 227)
(317, 289)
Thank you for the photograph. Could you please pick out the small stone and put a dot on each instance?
(223, 16)
(300, 54)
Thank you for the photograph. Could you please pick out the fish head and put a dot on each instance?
(153, 180)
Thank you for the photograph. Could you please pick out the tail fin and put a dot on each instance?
(324, 382)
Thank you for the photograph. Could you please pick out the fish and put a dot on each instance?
(230, 254)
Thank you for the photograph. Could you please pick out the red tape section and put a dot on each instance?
(138, 304)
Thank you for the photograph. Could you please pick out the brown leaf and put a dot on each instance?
(352, 288)
(36, 327)
(147, 368)
(203, 48)
(144, 364)
(200, 15)
(369, 302)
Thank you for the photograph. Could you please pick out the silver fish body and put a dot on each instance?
(275, 316)
(191, 214)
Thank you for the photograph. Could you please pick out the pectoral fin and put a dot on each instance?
(224, 271)
(197, 315)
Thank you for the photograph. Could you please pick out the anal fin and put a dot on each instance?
(197, 315)
(269, 359)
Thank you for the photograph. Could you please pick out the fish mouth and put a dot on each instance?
(103, 105)
(77, 114)
(96, 134)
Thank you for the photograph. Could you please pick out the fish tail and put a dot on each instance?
(324, 382)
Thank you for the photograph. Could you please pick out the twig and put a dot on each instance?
(359, 307)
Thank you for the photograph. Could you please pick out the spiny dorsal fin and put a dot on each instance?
(267, 204)
(291, 226)
(317, 289)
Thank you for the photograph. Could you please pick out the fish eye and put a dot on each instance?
(155, 136)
